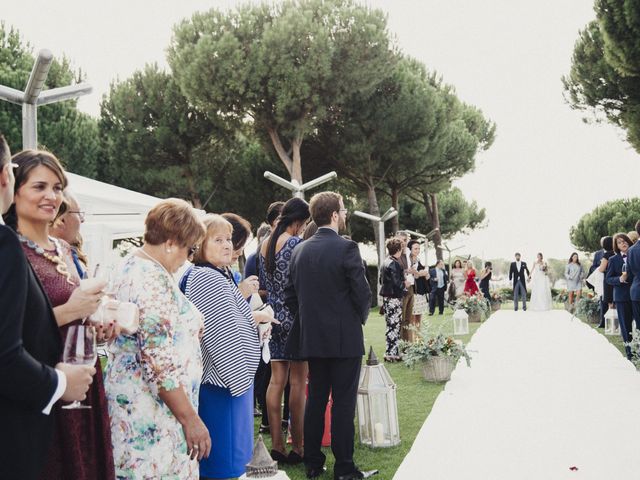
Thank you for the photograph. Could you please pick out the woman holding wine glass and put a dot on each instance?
(154, 373)
(81, 447)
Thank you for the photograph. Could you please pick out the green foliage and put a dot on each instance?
(457, 214)
(70, 134)
(428, 345)
(607, 219)
(605, 73)
(588, 307)
(474, 304)
(285, 66)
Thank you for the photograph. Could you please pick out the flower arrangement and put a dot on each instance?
(473, 304)
(634, 345)
(497, 297)
(125, 246)
(588, 306)
(562, 297)
(428, 346)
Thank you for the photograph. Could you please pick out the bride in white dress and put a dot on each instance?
(540, 286)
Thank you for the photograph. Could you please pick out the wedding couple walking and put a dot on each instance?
(540, 284)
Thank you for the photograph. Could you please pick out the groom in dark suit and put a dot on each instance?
(30, 348)
(329, 292)
(633, 266)
(516, 273)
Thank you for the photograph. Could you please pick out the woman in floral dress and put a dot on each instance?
(153, 376)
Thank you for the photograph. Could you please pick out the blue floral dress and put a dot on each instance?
(148, 441)
(275, 297)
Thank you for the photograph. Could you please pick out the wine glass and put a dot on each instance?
(80, 349)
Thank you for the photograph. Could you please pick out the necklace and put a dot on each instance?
(141, 250)
(61, 266)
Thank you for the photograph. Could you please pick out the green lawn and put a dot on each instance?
(415, 400)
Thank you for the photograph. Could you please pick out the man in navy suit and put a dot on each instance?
(329, 293)
(31, 379)
(439, 280)
(633, 265)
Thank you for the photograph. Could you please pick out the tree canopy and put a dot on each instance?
(285, 66)
(605, 72)
(607, 219)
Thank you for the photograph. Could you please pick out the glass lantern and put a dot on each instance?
(611, 324)
(460, 322)
(377, 405)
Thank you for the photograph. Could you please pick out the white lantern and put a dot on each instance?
(460, 322)
(611, 324)
(377, 405)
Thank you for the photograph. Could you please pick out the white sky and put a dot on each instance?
(546, 167)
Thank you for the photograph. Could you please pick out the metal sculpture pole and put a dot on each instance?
(33, 97)
(388, 215)
(296, 189)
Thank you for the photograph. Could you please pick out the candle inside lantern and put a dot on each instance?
(378, 433)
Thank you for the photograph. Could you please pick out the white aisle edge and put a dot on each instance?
(546, 397)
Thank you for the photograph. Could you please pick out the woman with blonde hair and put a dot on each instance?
(230, 348)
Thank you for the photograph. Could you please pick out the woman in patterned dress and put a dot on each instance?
(81, 445)
(273, 268)
(153, 375)
(392, 291)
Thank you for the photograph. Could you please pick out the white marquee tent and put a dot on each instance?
(112, 213)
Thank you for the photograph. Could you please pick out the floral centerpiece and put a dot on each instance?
(438, 355)
(496, 300)
(588, 307)
(475, 306)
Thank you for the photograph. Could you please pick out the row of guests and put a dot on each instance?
(195, 350)
(619, 262)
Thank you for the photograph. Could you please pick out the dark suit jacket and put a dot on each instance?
(30, 346)
(329, 292)
(621, 291)
(515, 275)
(633, 265)
(433, 279)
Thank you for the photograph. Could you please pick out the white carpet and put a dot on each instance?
(544, 393)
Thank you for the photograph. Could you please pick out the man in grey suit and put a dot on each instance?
(329, 293)
(516, 273)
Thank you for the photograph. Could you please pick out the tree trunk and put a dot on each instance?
(431, 205)
(281, 151)
(296, 164)
(191, 185)
(374, 209)
(395, 221)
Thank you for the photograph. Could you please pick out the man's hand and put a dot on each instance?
(79, 377)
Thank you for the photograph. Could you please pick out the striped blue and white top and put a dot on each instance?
(230, 344)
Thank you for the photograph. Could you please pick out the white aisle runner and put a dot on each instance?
(544, 393)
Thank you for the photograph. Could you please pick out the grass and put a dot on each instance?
(415, 399)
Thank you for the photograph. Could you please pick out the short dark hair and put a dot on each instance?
(518, 253)
(638, 227)
(273, 212)
(394, 245)
(5, 153)
(487, 265)
(310, 231)
(241, 229)
(412, 243)
(607, 243)
(322, 207)
(622, 236)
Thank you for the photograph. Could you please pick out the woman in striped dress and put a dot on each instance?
(230, 350)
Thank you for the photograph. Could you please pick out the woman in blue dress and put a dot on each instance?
(275, 256)
(230, 351)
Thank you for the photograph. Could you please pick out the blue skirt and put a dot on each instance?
(230, 423)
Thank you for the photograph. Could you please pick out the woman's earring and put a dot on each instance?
(168, 250)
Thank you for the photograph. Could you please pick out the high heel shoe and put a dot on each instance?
(294, 458)
(279, 456)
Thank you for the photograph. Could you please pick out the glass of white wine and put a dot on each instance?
(80, 349)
